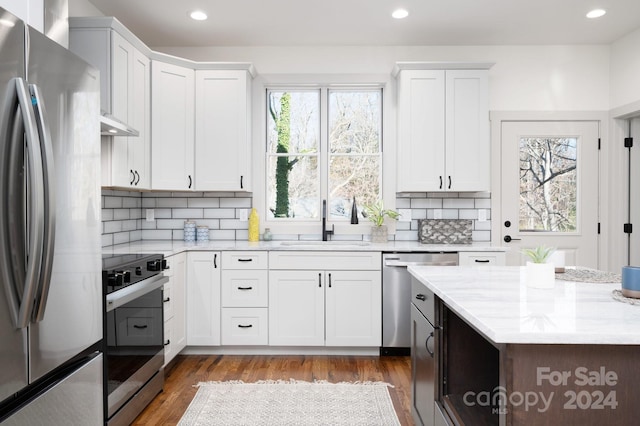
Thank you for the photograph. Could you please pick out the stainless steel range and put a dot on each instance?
(133, 333)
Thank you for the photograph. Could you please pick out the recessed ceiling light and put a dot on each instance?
(400, 13)
(198, 15)
(596, 13)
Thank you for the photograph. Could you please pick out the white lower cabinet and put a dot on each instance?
(245, 326)
(331, 307)
(245, 300)
(175, 330)
(203, 298)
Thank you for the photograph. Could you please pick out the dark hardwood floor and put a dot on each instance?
(187, 370)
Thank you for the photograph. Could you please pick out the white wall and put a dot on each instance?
(524, 78)
(83, 8)
(625, 70)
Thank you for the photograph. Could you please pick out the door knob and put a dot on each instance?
(508, 239)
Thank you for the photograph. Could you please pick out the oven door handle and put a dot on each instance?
(132, 292)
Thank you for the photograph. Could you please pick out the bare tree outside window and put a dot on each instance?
(352, 147)
(548, 184)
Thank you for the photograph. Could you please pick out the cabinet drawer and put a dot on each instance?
(248, 289)
(244, 326)
(323, 260)
(481, 258)
(424, 299)
(139, 326)
(245, 260)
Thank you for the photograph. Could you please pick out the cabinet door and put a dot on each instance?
(178, 265)
(172, 109)
(222, 161)
(422, 369)
(353, 308)
(122, 58)
(139, 148)
(203, 299)
(296, 308)
(421, 155)
(467, 130)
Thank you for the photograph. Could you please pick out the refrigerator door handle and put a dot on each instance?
(49, 176)
(35, 212)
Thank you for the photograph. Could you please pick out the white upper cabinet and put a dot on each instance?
(223, 134)
(125, 94)
(172, 106)
(443, 130)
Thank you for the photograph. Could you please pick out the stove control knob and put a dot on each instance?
(126, 275)
(115, 279)
(154, 265)
(138, 270)
(164, 264)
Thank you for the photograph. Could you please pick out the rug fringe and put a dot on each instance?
(293, 382)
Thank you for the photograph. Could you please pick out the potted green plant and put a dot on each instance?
(540, 272)
(376, 213)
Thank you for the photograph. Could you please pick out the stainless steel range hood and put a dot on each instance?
(110, 126)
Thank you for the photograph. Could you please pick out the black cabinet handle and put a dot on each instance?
(245, 288)
(426, 344)
(421, 297)
(215, 261)
(245, 326)
(245, 260)
(133, 177)
(190, 181)
(440, 182)
(482, 261)
(449, 183)
(319, 280)
(329, 280)
(241, 183)
(137, 177)
(168, 299)
(168, 342)
(140, 327)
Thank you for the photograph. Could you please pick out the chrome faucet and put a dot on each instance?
(325, 231)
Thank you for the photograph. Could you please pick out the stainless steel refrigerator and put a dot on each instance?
(50, 256)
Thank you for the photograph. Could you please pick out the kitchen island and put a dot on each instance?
(512, 355)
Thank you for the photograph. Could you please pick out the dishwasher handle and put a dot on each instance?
(400, 264)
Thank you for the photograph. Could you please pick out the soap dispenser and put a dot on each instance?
(354, 212)
(254, 226)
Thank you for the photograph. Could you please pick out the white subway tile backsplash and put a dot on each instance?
(187, 213)
(123, 215)
(235, 202)
(203, 202)
(457, 203)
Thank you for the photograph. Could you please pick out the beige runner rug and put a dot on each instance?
(292, 403)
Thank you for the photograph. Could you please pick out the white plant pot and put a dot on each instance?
(540, 275)
(379, 234)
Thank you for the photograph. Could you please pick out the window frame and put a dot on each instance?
(311, 228)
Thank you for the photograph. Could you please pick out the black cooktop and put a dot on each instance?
(122, 270)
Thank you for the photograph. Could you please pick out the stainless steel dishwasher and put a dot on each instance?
(396, 296)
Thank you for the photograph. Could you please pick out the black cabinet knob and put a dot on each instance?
(507, 223)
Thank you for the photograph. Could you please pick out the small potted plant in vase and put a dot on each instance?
(540, 272)
(376, 214)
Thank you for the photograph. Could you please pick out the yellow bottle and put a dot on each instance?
(254, 226)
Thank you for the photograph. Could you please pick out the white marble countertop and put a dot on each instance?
(169, 247)
(498, 304)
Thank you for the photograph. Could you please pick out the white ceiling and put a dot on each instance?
(368, 22)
